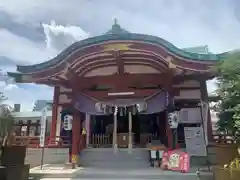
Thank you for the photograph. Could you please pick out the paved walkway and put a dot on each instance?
(61, 173)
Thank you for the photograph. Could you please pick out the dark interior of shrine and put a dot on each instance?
(154, 124)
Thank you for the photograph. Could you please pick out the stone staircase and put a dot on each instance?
(103, 163)
(106, 158)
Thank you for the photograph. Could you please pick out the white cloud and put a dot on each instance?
(26, 97)
(60, 37)
(22, 49)
(28, 51)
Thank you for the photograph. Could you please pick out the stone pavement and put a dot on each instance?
(62, 173)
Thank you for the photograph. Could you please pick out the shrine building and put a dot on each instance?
(120, 84)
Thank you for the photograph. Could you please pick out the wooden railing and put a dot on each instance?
(100, 140)
(33, 142)
(95, 140)
(105, 140)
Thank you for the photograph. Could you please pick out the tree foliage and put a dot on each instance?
(229, 92)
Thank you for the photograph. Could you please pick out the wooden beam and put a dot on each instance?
(131, 79)
(53, 82)
(144, 92)
(125, 80)
(103, 95)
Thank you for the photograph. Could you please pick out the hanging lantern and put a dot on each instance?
(67, 122)
(173, 119)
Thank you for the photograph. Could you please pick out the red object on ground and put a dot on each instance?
(176, 160)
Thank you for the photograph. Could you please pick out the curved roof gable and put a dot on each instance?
(116, 33)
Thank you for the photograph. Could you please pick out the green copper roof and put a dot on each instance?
(17, 76)
(197, 49)
(116, 33)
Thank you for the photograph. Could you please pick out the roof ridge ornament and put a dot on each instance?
(115, 21)
(116, 28)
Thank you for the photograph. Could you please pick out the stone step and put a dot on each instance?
(139, 173)
(107, 158)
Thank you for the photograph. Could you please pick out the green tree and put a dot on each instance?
(6, 119)
(229, 92)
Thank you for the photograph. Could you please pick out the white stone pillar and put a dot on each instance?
(58, 128)
(87, 127)
(115, 145)
(130, 132)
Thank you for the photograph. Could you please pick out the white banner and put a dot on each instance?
(195, 142)
(67, 122)
(43, 127)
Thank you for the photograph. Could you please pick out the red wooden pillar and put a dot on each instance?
(76, 131)
(54, 114)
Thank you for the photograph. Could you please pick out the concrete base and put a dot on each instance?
(53, 170)
(130, 148)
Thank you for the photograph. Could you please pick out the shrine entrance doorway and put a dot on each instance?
(145, 128)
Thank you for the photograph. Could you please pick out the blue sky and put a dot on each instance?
(35, 31)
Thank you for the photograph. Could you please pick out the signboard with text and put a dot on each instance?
(195, 142)
(176, 160)
(43, 127)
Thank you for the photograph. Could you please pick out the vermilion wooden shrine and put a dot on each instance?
(120, 65)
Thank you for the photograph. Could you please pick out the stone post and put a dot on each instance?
(115, 145)
(130, 132)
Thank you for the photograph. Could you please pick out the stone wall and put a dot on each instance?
(51, 156)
